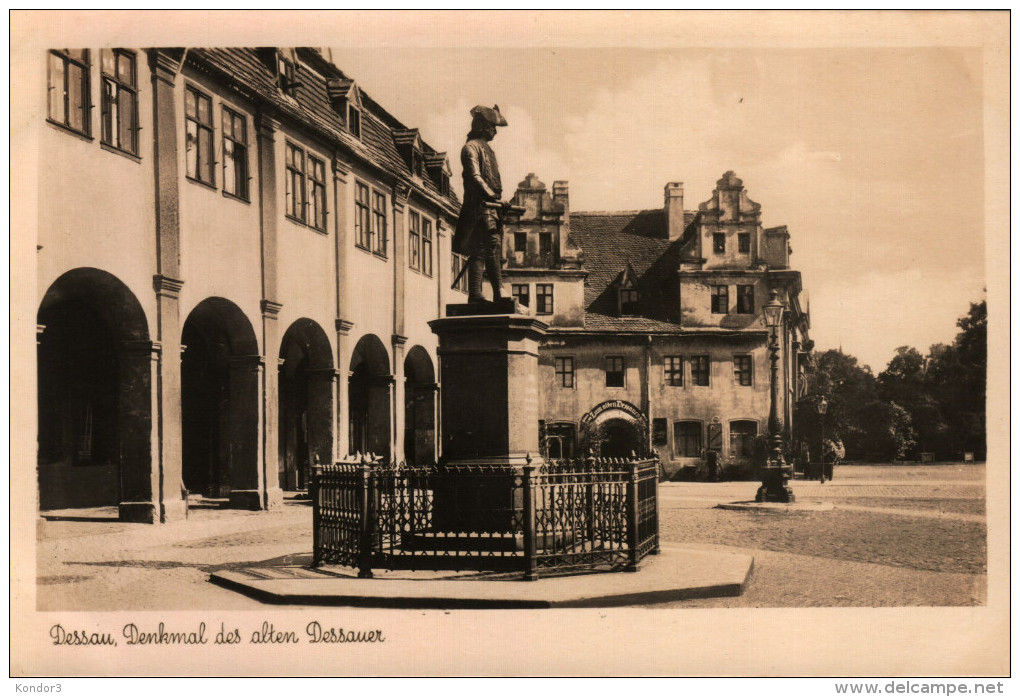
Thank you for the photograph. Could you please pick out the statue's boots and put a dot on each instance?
(475, 268)
(494, 267)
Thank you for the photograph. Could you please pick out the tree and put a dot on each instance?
(933, 403)
(956, 379)
(905, 383)
(868, 426)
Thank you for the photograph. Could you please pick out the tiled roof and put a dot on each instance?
(311, 105)
(612, 240)
(600, 323)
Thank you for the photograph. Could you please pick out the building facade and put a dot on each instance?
(656, 338)
(238, 254)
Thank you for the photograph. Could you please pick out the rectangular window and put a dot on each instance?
(362, 218)
(559, 440)
(744, 242)
(699, 370)
(426, 246)
(379, 232)
(719, 242)
(521, 242)
(742, 435)
(199, 136)
(521, 293)
(120, 100)
(659, 429)
(614, 371)
(354, 121)
(720, 300)
(564, 371)
(745, 299)
(457, 263)
(69, 90)
(742, 370)
(285, 74)
(628, 302)
(544, 298)
(295, 183)
(414, 241)
(673, 370)
(687, 438)
(545, 245)
(317, 200)
(235, 154)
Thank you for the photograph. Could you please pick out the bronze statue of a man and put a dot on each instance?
(479, 233)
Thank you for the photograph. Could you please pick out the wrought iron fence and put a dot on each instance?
(562, 514)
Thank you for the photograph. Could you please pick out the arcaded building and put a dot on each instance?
(656, 337)
(238, 254)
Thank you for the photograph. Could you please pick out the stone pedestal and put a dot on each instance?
(489, 403)
(489, 361)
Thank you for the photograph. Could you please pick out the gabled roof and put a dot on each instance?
(628, 277)
(407, 136)
(311, 106)
(613, 240)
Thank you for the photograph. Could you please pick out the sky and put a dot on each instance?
(873, 157)
(862, 132)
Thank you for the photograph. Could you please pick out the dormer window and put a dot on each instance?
(439, 170)
(282, 63)
(354, 121)
(627, 293)
(284, 72)
(628, 302)
(410, 146)
(345, 97)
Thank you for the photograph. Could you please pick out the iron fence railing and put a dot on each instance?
(560, 515)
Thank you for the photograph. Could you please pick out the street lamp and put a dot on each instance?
(823, 406)
(775, 475)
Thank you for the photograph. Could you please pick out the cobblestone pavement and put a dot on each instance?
(905, 553)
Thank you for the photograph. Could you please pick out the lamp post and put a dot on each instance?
(823, 406)
(775, 475)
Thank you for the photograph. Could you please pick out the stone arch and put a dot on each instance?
(368, 394)
(306, 380)
(220, 403)
(419, 407)
(614, 429)
(95, 373)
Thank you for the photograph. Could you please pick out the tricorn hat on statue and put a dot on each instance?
(491, 115)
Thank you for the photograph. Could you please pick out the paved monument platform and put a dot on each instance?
(772, 507)
(677, 573)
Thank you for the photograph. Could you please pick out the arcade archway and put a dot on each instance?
(368, 394)
(306, 398)
(95, 395)
(419, 408)
(220, 376)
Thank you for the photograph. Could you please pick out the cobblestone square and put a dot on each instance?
(898, 536)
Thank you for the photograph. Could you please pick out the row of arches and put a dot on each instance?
(99, 408)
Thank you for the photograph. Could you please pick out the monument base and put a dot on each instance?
(503, 306)
(472, 542)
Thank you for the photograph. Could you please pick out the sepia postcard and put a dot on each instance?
(510, 343)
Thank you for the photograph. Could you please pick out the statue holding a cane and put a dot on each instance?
(479, 233)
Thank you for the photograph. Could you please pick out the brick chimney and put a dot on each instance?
(674, 209)
(561, 196)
